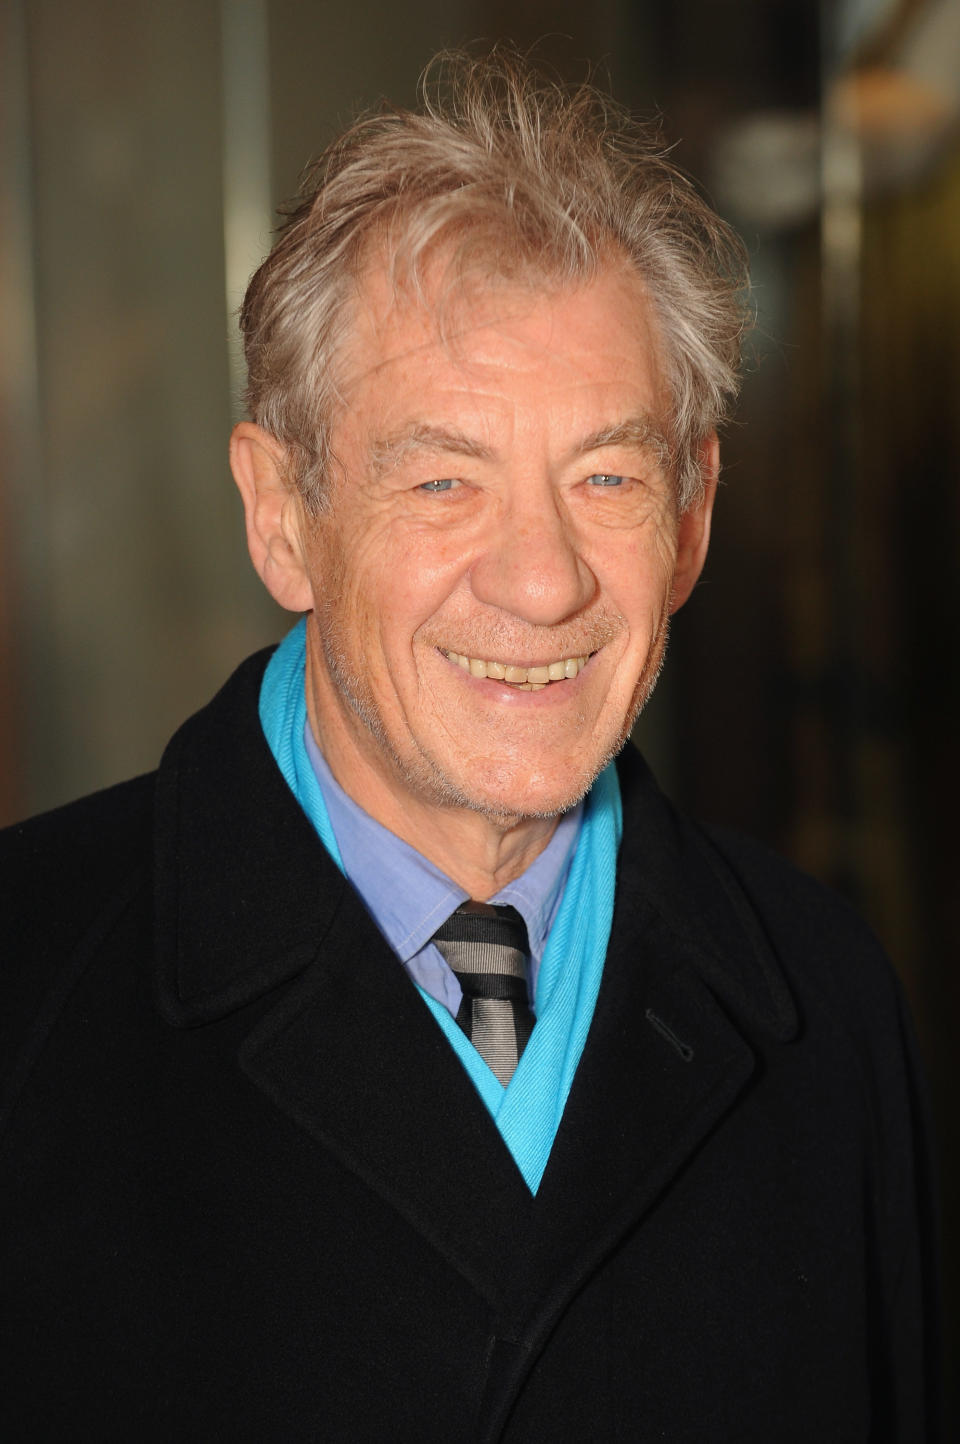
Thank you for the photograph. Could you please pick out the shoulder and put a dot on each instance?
(61, 861)
(694, 863)
(62, 871)
(822, 942)
(70, 874)
(54, 864)
(746, 902)
(849, 997)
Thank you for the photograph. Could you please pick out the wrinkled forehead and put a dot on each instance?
(398, 309)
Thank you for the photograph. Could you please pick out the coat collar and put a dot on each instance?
(246, 894)
(675, 867)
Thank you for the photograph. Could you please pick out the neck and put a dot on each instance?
(479, 852)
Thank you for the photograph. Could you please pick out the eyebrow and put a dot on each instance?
(389, 451)
(639, 431)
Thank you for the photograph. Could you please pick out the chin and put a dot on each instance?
(508, 795)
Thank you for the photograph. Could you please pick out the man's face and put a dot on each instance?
(492, 576)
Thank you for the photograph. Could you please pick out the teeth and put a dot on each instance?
(526, 679)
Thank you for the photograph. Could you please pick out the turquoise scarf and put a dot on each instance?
(528, 1111)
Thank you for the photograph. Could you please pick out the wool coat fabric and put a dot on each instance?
(247, 1192)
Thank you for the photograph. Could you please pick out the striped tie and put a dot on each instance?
(486, 947)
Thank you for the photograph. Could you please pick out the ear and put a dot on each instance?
(693, 539)
(273, 515)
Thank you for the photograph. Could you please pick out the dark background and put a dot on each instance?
(811, 692)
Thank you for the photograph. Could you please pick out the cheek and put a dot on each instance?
(376, 592)
(418, 578)
(637, 582)
(343, 574)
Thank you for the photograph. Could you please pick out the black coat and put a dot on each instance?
(247, 1192)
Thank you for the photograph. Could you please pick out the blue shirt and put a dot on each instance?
(409, 897)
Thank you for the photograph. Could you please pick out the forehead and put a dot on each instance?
(483, 336)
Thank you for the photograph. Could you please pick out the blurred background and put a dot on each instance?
(811, 695)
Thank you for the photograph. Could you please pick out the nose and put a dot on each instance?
(531, 565)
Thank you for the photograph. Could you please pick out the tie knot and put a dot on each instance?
(484, 940)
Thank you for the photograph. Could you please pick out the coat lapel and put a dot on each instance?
(354, 1055)
(666, 1059)
(250, 905)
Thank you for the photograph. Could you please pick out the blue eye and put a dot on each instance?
(603, 478)
(446, 483)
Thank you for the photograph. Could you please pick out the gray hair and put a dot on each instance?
(536, 181)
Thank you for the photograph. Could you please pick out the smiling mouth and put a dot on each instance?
(525, 679)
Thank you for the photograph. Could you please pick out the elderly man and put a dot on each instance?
(392, 1064)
